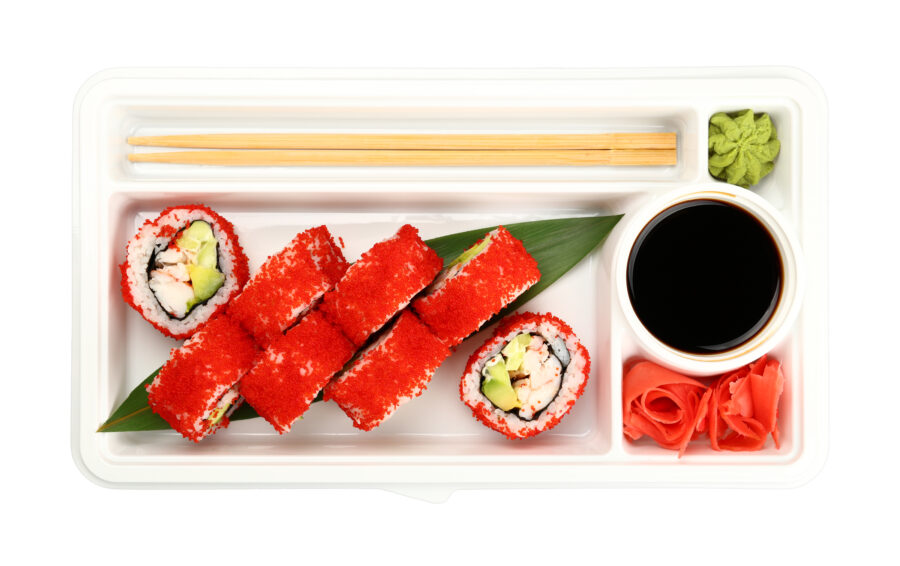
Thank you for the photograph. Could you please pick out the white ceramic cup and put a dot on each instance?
(779, 323)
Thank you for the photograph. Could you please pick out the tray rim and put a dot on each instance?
(803, 469)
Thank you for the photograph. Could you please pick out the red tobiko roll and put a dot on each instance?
(289, 284)
(293, 369)
(743, 407)
(394, 369)
(195, 391)
(182, 268)
(527, 376)
(381, 284)
(666, 406)
(477, 285)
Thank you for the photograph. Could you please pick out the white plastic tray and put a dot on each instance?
(432, 445)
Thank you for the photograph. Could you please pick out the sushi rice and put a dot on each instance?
(556, 355)
(152, 241)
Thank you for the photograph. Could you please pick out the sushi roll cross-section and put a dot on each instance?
(527, 377)
(477, 285)
(182, 268)
(289, 284)
(394, 369)
(195, 391)
(380, 284)
(294, 369)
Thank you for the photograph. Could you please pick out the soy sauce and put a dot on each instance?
(704, 276)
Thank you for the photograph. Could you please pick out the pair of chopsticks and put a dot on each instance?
(412, 149)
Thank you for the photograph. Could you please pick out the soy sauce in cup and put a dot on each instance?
(704, 276)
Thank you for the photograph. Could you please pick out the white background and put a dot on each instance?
(849, 511)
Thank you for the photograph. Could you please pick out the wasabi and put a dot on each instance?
(742, 147)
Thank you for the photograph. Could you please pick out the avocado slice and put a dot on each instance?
(205, 281)
(497, 386)
(195, 235)
(472, 252)
(217, 415)
(514, 352)
(208, 255)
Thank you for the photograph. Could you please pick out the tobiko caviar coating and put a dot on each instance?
(195, 391)
(293, 369)
(527, 376)
(289, 284)
(390, 372)
(380, 284)
(182, 268)
(476, 286)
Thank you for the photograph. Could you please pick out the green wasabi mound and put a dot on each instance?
(742, 147)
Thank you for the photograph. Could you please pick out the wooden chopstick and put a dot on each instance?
(627, 140)
(423, 157)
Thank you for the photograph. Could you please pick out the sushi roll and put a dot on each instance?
(195, 391)
(392, 370)
(476, 286)
(288, 285)
(527, 376)
(293, 369)
(381, 284)
(182, 268)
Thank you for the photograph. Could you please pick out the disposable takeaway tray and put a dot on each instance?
(432, 445)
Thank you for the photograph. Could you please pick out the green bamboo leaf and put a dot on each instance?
(557, 246)
(134, 413)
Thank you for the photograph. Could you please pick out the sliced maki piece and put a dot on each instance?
(186, 273)
(525, 379)
(391, 371)
(196, 389)
(381, 284)
(182, 268)
(477, 285)
(289, 284)
(294, 369)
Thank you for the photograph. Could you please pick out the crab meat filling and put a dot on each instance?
(186, 273)
(526, 375)
(171, 283)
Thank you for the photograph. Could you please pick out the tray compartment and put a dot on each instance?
(437, 423)
(779, 188)
(187, 116)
